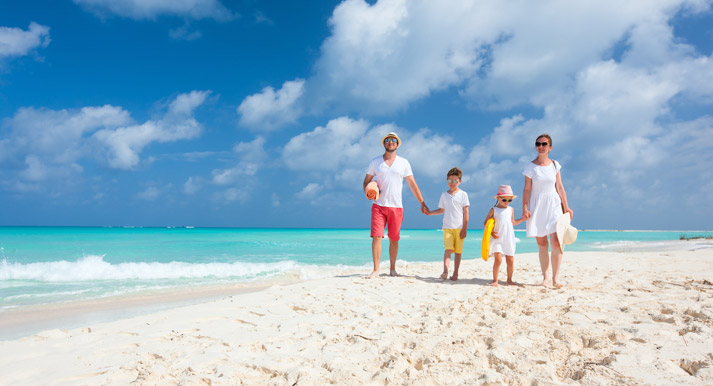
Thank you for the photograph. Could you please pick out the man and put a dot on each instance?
(389, 171)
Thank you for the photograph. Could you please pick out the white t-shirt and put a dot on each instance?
(453, 205)
(390, 180)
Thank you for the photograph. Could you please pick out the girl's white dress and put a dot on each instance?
(545, 205)
(505, 243)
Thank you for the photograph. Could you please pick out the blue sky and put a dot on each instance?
(266, 113)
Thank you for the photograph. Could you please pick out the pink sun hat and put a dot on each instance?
(505, 191)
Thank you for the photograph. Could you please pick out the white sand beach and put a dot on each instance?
(623, 318)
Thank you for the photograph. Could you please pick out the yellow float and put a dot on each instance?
(485, 246)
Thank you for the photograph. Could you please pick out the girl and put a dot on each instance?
(502, 240)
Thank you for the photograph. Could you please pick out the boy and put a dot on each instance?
(453, 205)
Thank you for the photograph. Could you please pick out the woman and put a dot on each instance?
(543, 202)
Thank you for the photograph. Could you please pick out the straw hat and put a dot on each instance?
(504, 191)
(392, 134)
(566, 233)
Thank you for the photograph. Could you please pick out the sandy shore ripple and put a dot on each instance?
(624, 318)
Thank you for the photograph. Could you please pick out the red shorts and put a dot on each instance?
(383, 216)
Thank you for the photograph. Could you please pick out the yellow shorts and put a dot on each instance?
(452, 240)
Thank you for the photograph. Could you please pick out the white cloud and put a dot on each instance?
(432, 154)
(48, 144)
(232, 194)
(43, 144)
(192, 185)
(310, 191)
(18, 42)
(35, 171)
(184, 33)
(125, 143)
(340, 142)
(250, 155)
(383, 56)
(270, 109)
(339, 152)
(149, 194)
(151, 9)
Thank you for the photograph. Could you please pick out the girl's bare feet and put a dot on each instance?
(494, 284)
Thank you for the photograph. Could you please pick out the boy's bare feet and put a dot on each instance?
(494, 284)
(393, 273)
(444, 275)
(454, 277)
(372, 275)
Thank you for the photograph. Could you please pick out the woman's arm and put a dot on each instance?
(563, 195)
(526, 197)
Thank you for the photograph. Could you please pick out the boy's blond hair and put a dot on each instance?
(455, 172)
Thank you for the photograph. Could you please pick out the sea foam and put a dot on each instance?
(93, 267)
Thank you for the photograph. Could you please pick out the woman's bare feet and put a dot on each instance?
(372, 275)
(393, 273)
(510, 282)
(494, 284)
(444, 275)
(454, 277)
(557, 285)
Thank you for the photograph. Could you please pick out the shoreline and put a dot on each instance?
(27, 320)
(623, 318)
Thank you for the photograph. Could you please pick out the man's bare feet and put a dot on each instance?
(494, 284)
(372, 275)
(444, 275)
(510, 282)
(393, 273)
(454, 277)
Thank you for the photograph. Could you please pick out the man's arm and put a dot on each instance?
(416, 193)
(367, 179)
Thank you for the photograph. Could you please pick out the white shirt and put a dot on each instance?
(453, 205)
(390, 180)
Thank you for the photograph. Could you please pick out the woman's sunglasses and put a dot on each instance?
(538, 144)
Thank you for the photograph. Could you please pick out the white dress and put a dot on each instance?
(545, 205)
(505, 243)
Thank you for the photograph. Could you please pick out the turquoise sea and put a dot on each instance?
(41, 265)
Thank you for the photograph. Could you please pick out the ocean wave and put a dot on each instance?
(647, 246)
(92, 268)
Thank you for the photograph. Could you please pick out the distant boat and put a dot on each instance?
(189, 227)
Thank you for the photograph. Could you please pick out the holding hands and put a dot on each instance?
(424, 208)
